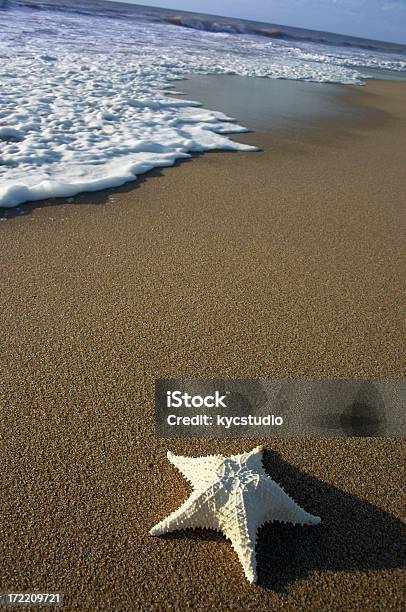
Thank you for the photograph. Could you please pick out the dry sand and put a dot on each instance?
(283, 263)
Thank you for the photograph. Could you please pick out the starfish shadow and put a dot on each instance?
(353, 534)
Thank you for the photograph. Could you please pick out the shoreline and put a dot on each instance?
(285, 263)
(348, 98)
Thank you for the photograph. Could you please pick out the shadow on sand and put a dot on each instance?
(100, 198)
(354, 535)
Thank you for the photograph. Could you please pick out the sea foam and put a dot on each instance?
(84, 99)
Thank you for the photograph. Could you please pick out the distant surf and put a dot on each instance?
(213, 23)
(84, 87)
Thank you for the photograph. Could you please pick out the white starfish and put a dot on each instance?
(233, 495)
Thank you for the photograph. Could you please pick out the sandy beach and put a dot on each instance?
(284, 263)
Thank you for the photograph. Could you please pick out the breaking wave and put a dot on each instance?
(84, 100)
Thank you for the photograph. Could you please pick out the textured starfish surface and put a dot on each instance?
(233, 495)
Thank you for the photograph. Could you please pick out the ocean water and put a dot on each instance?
(84, 87)
(264, 104)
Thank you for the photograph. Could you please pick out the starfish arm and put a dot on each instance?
(201, 472)
(239, 526)
(196, 511)
(252, 460)
(278, 506)
(235, 496)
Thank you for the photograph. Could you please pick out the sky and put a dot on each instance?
(380, 19)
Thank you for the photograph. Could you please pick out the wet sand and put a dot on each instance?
(284, 263)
